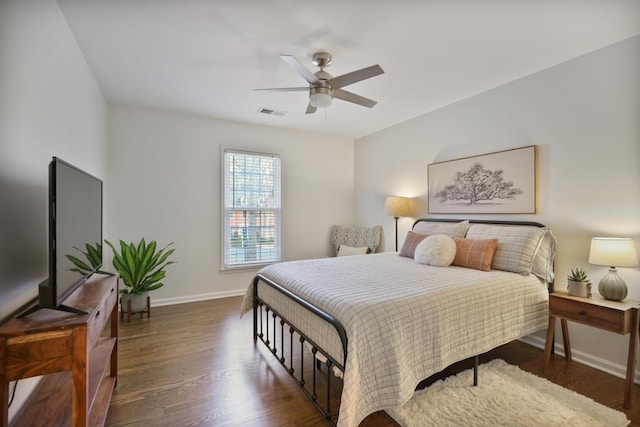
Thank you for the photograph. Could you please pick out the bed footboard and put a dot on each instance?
(289, 343)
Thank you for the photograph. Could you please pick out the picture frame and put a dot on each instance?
(502, 182)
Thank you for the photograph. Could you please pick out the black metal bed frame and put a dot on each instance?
(261, 332)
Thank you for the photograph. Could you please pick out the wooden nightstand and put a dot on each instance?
(620, 317)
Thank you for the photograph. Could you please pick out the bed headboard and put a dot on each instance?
(482, 221)
(529, 250)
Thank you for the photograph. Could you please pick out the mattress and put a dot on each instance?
(404, 321)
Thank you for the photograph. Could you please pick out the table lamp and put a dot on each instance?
(613, 252)
(397, 207)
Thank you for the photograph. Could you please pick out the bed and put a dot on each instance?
(383, 322)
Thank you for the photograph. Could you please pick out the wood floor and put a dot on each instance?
(196, 365)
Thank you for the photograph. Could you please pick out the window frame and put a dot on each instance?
(224, 209)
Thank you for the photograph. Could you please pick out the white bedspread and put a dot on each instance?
(406, 321)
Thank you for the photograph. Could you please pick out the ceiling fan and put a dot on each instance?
(323, 87)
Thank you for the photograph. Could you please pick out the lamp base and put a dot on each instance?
(612, 287)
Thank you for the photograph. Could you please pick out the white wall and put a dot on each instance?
(50, 105)
(584, 115)
(164, 175)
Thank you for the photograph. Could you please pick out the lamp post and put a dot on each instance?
(397, 207)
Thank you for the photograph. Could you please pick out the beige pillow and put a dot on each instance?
(410, 242)
(517, 245)
(451, 229)
(345, 250)
(543, 260)
(475, 253)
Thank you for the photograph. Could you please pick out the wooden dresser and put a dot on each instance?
(77, 355)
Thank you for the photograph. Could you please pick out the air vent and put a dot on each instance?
(271, 112)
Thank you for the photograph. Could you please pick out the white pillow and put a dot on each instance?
(438, 250)
(344, 250)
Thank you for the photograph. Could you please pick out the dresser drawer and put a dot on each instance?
(99, 320)
(607, 318)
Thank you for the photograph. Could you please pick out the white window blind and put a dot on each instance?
(251, 219)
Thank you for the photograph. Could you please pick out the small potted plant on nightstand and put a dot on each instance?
(141, 268)
(578, 283)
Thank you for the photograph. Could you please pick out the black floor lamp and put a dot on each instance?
(397, 207)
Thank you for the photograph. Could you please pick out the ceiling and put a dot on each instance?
(206, 57)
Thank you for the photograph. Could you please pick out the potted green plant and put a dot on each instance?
(578, 283)
(141, 268)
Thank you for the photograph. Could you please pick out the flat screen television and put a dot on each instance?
(75, 224)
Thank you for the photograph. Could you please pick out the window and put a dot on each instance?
(251, 218)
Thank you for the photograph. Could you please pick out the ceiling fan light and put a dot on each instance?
(320, 97)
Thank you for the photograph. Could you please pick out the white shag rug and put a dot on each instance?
(505, 396)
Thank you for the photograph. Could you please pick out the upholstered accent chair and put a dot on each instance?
(356, 237)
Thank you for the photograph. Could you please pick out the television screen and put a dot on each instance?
(75, 230)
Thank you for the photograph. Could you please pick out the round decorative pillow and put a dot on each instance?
(437, 250)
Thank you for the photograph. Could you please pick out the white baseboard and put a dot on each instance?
(595, 362)
(194, 298)
(534, 341)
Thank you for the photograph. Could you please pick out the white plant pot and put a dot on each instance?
(579, 289)
(138, 302)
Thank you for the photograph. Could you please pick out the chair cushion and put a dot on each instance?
(356, 237)
(345, 250)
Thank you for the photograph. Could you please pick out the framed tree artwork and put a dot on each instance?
(504, 182)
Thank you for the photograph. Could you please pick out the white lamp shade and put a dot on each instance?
(613, 252)
(398, 206)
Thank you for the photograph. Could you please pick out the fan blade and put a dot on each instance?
(283, 89)
(352, 97)
(355, 76)
(310, 109)
(299, 68)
